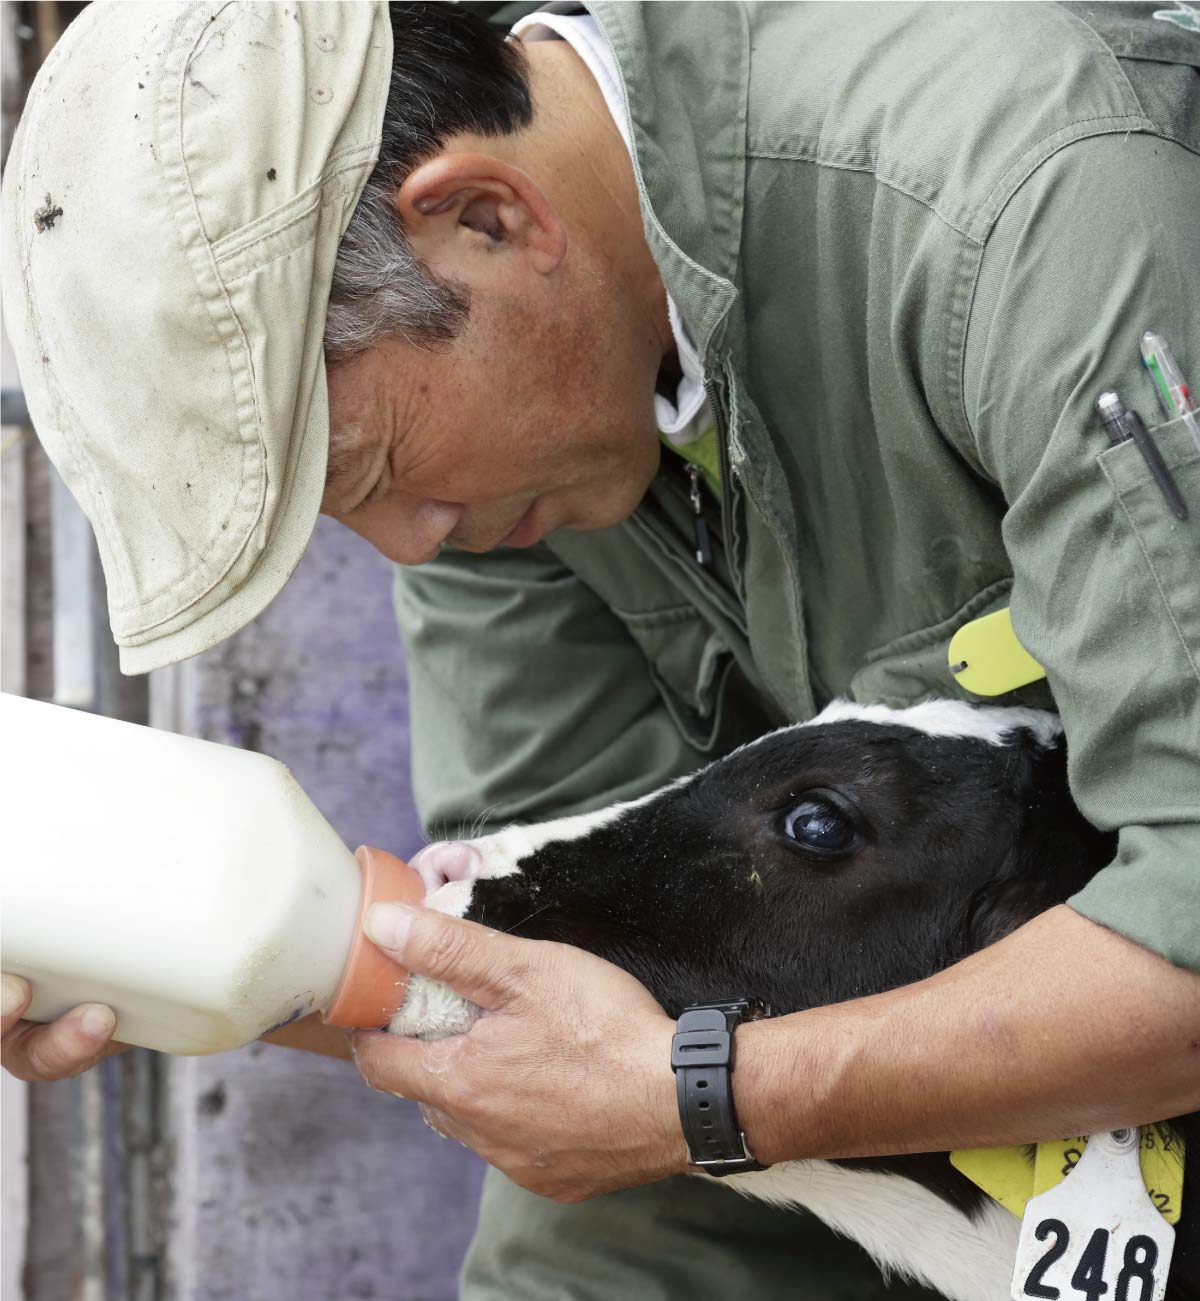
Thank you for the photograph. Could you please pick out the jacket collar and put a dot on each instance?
(685, 81)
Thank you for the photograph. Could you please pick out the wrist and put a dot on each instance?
(666, 1133)
(782, 1074)
(752, 1081)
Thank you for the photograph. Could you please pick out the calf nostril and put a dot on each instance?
(445, 861)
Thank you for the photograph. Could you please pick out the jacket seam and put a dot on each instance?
(1153, 574)
(962, 304)
(972, 436)
(931, 633)
(662, 617)
(1191, 146)
(1094, 38)
(781, 155)
(970, 314)
(1023, 168)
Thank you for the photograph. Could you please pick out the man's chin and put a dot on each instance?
(529, 529)
(540, 520)
(524, 533)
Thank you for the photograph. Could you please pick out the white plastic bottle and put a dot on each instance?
(192, 887)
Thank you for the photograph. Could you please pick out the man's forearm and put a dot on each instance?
(1062, 1028)
(312, 1035)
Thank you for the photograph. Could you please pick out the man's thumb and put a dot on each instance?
(483, 965)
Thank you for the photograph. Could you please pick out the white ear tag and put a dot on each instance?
(1096, 1234)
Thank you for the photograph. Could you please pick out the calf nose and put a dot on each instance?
(447, 860)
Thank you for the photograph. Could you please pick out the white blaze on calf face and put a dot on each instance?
(948, 718)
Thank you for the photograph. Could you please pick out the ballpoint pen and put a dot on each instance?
(1121, 425)
(1174, 395)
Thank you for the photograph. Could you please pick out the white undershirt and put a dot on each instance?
(676, 419)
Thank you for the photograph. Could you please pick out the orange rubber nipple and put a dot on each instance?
(372, 988)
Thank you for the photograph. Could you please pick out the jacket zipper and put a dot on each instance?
(728, 492)
(703, 550)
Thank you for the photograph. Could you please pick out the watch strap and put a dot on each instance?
(702, 1057)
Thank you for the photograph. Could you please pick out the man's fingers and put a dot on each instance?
(62, 1048)
(14, 999)
(485, 966)
(429, 1072)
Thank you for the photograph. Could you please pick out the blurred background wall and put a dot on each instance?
(264, 1174)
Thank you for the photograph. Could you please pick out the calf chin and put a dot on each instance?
(433, 1011)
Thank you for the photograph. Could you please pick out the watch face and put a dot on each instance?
(745, 1009)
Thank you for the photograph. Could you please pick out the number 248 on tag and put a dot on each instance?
(1097, 1234)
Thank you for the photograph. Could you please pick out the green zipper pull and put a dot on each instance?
(703, 547)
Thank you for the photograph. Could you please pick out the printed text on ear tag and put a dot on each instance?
(1014, 1174)
(1097, 1233)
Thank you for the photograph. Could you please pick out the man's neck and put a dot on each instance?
(575, 153)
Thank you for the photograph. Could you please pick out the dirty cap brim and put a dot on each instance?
(173, 203)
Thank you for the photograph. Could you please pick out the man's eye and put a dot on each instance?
(819, 823)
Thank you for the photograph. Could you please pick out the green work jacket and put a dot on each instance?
(913, 244)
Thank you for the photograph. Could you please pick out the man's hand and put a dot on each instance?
(68, 1046)
(564, 1083)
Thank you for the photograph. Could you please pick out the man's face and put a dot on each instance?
(538, 417)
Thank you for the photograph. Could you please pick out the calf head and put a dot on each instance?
(825, 861)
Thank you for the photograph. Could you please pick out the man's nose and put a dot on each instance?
(445, 861)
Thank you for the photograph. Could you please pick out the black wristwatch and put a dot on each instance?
(702, 1059)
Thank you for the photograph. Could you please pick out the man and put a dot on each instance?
(867, 271)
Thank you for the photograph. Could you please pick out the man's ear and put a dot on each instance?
(457, 206)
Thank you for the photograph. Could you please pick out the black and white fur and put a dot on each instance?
(838, 858)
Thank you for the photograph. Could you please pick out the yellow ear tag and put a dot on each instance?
(1012, 1175)
(987, 659)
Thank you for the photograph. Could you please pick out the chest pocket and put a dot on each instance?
(691, 667)
(688, 641)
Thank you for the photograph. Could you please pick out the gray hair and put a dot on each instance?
(452, 73)
(381, 289)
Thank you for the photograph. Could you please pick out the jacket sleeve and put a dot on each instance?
(528, 698)
(1101, 243)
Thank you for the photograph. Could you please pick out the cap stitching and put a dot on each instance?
(226, 326)
(237, 272)
(63, 409)
(230, 244)
(202, 575)
(249, 500)
(289, 488)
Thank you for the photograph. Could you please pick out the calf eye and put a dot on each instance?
(820, 823)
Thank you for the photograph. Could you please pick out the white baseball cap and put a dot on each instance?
(173, 203)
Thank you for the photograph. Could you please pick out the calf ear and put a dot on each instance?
(1053, 851)
(1001, 906)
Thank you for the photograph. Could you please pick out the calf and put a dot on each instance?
(834, 859)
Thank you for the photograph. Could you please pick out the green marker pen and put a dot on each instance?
(1174, 396)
